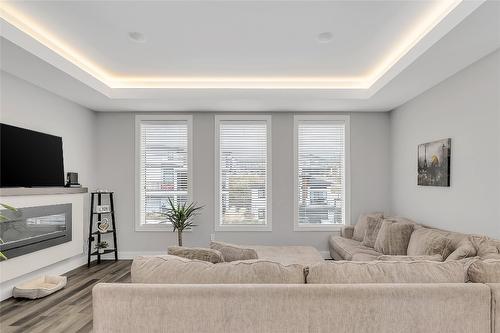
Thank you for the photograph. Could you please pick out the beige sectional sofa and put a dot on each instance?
(422, 241)
(173, 294)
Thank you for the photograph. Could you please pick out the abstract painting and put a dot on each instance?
(434, 163)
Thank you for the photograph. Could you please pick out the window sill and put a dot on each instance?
(156, 228)
(319, 227)
(243, 228)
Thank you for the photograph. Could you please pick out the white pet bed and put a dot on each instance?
(40, 287)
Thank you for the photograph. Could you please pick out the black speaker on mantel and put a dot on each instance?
(72, 179)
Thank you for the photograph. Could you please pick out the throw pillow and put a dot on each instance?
(372, 229)
(393, 238)
(428, 242)
(436, 257)
(487, 248)
(485, 271)
(231, 252)
(362, 224)
(465, 249)
(198, 253)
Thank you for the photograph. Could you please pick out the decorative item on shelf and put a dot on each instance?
(103, 225)
(101, 246)
(181, 216)
(4, 218)
(72, 180)
(101, 209)
(434, 163)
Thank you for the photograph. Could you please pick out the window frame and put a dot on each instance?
(346, 211)
(217, 198)
(139, 119)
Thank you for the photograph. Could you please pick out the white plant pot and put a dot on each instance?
(100, 251)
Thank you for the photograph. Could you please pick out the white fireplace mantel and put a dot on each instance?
(56, 259)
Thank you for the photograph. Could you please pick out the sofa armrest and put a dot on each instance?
(347, 231)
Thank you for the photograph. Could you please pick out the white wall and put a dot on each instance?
(25, 105)
(369, 179)
(465, 108)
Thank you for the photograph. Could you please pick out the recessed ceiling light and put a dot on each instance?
(137, 36)
(325, 37)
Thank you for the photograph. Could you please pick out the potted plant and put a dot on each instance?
(101, 246)
(181, 216)
(3, 219)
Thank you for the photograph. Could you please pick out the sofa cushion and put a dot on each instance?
(372, 229)
(346, 248)
(485, 271)
(393, 237)
(464, 250)
(232, 252)
(177, 270)
(364, 257)
(198, 253)
(348, 272)
(487, 248)
(436, 257)
(428, 242)
(303, 255)
(362, 224)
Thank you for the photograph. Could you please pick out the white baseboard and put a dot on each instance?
(58, 268)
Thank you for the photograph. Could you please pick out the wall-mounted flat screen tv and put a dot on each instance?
(29, 158)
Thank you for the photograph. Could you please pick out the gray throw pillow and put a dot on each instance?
(198, 253)
(371, 233)
(362, 224)
(232, 252)
(428, 242)
(393, 238)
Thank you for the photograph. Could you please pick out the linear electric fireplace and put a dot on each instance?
(34, 228)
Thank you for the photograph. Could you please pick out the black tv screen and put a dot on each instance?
(29, 158)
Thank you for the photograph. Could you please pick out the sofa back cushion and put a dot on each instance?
(177, 270)
(362, 224)
(487, 248)
(199, 253)
(346, 272)
(465, 249)
(371, 233)
(485, 271)
(232, 252)
(393, 238)
(428, 242)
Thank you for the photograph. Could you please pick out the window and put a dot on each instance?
(321, 145)
(163, 168)
(243, 173)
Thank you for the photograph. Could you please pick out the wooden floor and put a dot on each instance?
(68, 310)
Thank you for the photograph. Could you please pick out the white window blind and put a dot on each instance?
(243, 173)
(163, 168)
(320, 171)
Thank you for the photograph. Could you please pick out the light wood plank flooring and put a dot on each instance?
(68, 310)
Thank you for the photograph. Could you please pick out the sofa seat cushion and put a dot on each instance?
(364, 257)
(393, 237)
(198, 253)
(342, 272)
(485, 271)
(436, 257)
(362, 224)
(348, 247)
(177, 270)
(428, 242)
(303, 255)
(233, 252)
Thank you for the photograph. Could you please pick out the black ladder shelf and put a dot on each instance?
(96, 235)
